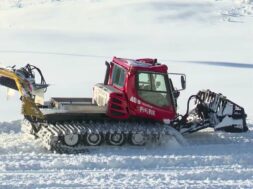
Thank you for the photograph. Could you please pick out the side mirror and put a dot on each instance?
(178, 77)
(183, 82)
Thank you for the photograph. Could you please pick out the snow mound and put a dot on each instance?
(246, 7)
(241, 8)
(10, 127)
(13, 141)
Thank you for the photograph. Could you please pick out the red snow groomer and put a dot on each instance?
(136, 104)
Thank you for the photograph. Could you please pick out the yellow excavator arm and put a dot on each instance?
(12, 78)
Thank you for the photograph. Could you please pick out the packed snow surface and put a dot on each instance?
(209, 40)
(210, 160)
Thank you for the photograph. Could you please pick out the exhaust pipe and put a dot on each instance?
(107, 73)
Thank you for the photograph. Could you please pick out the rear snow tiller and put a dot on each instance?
(136, 104)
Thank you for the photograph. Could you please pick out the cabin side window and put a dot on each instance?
(118, 76)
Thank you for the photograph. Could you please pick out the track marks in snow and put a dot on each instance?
(30, 170)
(211, 160)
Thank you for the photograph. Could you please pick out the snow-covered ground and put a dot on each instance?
(211, 160)
(210, 41)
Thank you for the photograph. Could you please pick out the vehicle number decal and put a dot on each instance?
(147, 111)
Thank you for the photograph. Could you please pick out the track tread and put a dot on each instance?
(51, 135)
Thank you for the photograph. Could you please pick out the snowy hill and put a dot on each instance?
(209, 40)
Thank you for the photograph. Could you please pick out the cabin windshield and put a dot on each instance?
(153, 89)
